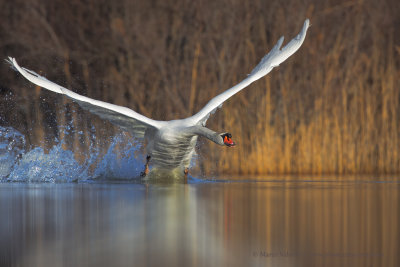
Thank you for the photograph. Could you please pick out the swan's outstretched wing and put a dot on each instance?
(123, 117)
(271, 60)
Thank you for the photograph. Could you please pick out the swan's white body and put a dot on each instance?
(171, 143)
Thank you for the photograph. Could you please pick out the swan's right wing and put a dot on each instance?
(123, 117)
(275, 57)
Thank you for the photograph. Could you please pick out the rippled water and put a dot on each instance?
(208, 223)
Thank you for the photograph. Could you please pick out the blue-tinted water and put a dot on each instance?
(200, 224)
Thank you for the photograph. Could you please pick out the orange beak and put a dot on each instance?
(228, 141)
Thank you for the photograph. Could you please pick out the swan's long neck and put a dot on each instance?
(207, 133)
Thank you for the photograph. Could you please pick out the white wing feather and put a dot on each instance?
(121, 116)
(275, 57)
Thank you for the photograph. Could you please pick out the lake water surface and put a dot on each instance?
(202, 223)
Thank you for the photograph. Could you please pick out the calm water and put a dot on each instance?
(244, 223)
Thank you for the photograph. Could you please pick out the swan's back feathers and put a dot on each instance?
(123, 117)
(275, 57)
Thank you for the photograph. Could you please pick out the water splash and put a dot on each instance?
(58, 165)
(12, 147)
(120, 163)
(18, 164)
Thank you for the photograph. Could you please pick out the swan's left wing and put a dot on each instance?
(271, 60)
(123, 117)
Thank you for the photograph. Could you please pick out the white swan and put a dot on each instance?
(170, 144)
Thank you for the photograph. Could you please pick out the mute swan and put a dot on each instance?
(170, 144)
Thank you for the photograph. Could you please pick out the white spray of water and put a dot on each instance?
(59, 165)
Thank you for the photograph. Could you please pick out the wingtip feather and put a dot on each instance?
(11, 61)
(280, 41)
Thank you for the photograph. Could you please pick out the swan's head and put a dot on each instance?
(227, 139)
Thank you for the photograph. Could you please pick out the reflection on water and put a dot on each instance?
(202, 224)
